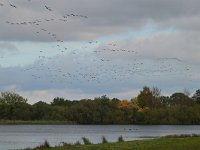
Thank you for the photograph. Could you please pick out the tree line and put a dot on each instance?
(149, 107)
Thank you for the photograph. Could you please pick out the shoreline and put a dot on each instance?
(35, 122)
(53, 122)
(173, 142)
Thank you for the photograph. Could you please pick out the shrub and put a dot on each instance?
(120, 139)
(104, 140)
(86, 141)
(77, 143)
(44, 145)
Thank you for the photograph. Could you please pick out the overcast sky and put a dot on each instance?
(87, 48)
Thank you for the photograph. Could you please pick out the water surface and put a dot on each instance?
(22, 136)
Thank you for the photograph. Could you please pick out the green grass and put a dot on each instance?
(166, 143)
(34, 122)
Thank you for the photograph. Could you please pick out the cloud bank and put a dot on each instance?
(84, 49)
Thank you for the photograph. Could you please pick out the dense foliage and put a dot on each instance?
(149, 107)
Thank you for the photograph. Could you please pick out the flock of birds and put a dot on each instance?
(99, 67)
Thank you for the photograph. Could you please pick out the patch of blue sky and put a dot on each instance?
(29, 52)
(145, 31)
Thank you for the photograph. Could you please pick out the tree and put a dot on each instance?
(149, 98)
(145, 98)
(125, 104)
(196, 96)
(156, 92)
(11, 98)
(180, 99)
(165, 101)
(103, 108)
(41, 111)
(186, 92)
(61, 102)
(13, 106)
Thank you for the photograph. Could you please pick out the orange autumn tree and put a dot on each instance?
(125, 104)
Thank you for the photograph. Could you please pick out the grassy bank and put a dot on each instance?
(165, 143)
(34, 122)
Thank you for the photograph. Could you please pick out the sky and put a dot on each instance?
(79, 49)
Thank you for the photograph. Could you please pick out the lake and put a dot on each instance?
(22, 136)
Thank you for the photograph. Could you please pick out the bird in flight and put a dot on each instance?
(13, 6)
(48, 8)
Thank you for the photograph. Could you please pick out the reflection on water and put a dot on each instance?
(22, 136)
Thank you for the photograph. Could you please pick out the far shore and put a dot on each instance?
(58, 122)
(35, 122)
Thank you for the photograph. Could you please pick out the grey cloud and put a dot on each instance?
(88, 73)
(91, 74)
(161, 44)
(104, 17)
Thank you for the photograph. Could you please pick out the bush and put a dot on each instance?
(86, 141)
(44, 145)
(104, 140)
(120, 139)
(77, 143)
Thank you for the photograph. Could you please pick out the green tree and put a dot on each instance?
(13, 106)
(196, 96)
(61, 102)
(11, 98)
(149, 98)
(145, 98)
(41, 111)
(180, 99)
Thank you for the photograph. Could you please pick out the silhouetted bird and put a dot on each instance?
(48, 8)
(13, 6)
